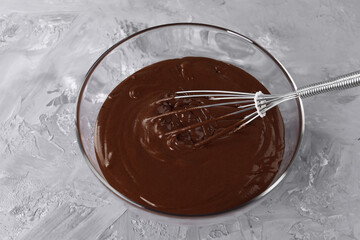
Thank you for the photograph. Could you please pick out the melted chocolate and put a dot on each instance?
(167, 172)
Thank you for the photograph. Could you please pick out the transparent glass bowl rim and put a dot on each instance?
(167, 215)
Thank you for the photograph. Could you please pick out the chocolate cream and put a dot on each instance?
(171, 173)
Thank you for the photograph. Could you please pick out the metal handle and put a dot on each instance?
(349, 80)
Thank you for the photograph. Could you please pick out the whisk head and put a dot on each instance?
(247, 106)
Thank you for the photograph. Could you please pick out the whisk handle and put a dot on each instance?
(346, 81)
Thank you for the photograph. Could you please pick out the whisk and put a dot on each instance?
(253, 105)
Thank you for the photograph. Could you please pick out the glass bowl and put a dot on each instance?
(176, 41)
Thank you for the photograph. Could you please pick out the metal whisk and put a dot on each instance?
(254, 105)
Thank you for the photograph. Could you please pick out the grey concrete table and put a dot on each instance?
(48, 192)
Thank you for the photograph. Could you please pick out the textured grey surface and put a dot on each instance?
(47, 190)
